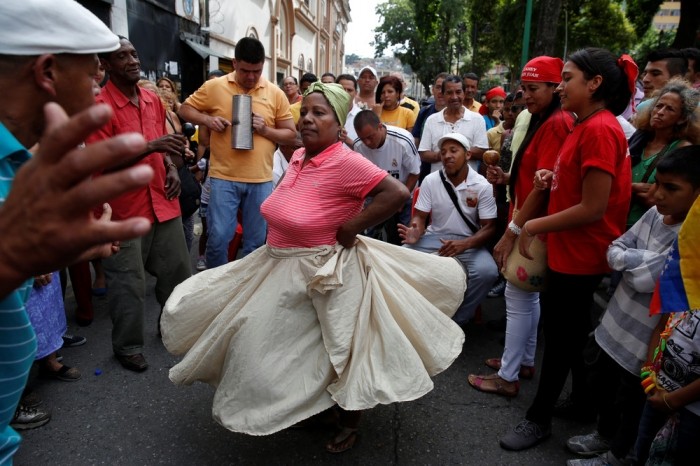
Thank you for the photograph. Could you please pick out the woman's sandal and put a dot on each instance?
(494, 384)
(65, 373)
(343, 440)
(526, 372)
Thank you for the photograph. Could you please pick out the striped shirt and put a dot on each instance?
(310, 204)
(17, 339)
(626, 326)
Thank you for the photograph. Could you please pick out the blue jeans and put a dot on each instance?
(227, 197)
(479, 266)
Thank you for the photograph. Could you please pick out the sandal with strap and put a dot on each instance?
(343, 440)
(494, 384)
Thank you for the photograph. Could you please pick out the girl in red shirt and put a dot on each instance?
(588, 202)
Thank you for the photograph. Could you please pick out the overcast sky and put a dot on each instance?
(361, 28)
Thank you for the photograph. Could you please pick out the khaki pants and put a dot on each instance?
(162, 253)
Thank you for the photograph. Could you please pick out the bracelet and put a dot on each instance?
(666, 402)
(170, 164)
(515, 229)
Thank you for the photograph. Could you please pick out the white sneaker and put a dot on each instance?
(606, 459)
(201, 264)
(588, 445)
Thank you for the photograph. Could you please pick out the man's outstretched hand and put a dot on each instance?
(47, 220)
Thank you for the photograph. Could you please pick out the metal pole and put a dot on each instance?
(526, 34)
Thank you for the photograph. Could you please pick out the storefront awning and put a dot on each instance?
(202, 50)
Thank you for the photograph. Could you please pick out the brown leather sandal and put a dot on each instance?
(494, 384)
(343, 440)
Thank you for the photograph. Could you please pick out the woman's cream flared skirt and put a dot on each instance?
(287, 333)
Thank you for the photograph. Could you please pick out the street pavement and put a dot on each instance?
(116, 417)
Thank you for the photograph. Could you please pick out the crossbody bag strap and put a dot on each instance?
(453, 197)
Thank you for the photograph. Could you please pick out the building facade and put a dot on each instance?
(300, 36)
(668, 16)
(184, 39)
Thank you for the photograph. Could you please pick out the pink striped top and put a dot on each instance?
(309, 205)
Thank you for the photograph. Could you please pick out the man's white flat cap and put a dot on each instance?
(461, 139)
(37, 27)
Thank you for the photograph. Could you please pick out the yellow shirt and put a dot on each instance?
(400, 116)
(295, 109)
(474, 107)
(215, 98)
(416, 106)
(494, 136)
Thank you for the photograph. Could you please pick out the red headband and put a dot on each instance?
(496, 91)
(631, 70)
(629, 67)
(543, 69)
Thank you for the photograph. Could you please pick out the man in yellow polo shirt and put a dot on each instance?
(240, 179)
(471, 89)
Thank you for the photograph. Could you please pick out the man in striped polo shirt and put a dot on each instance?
(392, 149)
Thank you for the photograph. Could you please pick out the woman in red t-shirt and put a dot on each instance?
(588, 202)
(548, 129)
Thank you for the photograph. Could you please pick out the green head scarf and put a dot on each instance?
(336, 95)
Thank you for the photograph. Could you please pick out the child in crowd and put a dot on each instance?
(622, 338)
(492, 111)
(671, 376)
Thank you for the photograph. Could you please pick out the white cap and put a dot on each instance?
(460, 138)
(37, 27)
(371, 70)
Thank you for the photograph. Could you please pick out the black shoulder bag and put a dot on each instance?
(453, 197)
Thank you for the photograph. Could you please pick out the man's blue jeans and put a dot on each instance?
(227, 197)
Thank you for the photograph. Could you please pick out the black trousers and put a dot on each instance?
(567, 322)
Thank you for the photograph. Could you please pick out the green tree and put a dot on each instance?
(352, 58)
(509, 26)
(651, 40)
(641, 13)
(599, 23)
(484, 36)
(421, 33)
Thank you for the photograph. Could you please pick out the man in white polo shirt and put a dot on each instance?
(463, 219)
(455, 118)
(391, 149)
